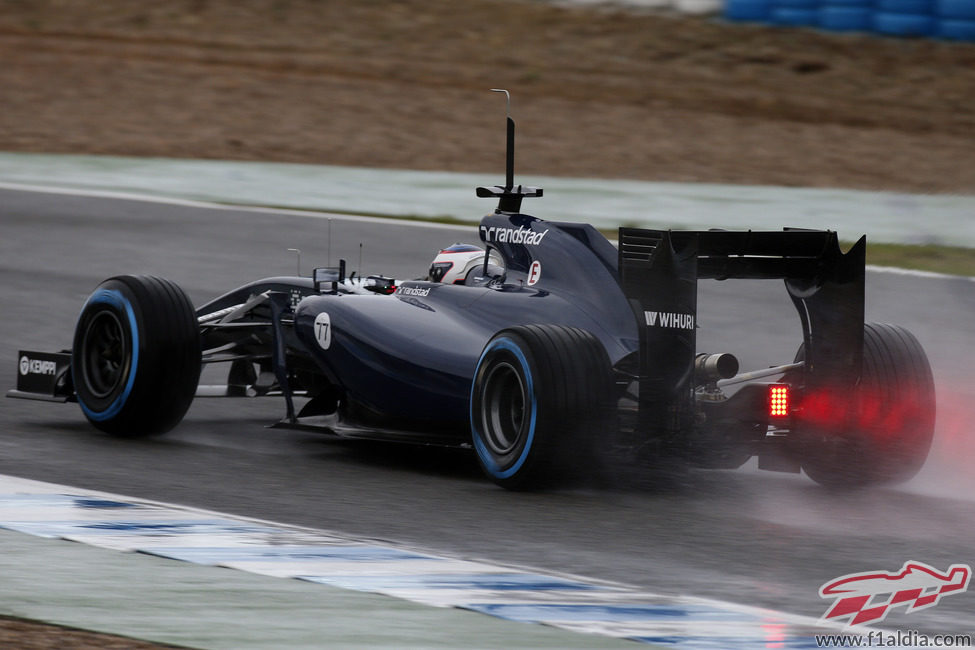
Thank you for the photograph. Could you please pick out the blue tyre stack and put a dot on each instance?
(757, 11)
(904, 17)
(952, 19)
(794, 12)
(846, 15)
(956, 19)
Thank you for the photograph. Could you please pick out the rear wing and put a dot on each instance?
(659, 270)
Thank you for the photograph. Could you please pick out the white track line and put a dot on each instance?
(316, 214)
(207, 205)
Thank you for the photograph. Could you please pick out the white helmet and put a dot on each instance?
(453, 263)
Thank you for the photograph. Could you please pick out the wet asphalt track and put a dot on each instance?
(745, 536)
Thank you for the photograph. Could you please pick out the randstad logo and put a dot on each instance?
(413, 291)
(495, 234)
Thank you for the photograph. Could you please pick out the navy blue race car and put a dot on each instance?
(555, 348)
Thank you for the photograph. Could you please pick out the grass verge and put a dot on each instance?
(952, 260)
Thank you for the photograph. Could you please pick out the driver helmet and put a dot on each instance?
(452, 264)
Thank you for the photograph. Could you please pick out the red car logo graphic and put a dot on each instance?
(916, 585)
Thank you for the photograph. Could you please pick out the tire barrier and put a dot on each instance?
(947, 19)
(844, 18)
(955, 9)
(957, 30)
(923, 7)
(793, 16)
(753, 11)
(895, 24)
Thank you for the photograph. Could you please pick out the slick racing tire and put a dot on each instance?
(888, 432)
(539, 397)
(136, 356)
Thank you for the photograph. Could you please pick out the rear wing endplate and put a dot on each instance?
(659, 270)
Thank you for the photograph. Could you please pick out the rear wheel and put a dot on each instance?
(136, 356)
(888, 433)
(537, 403)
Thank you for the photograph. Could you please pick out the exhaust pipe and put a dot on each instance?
(709, 368)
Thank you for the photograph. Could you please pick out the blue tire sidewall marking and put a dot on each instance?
(482, 451)
(114, 298)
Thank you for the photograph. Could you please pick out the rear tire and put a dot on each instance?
(538, 399)
(891, 425)
(136, 356)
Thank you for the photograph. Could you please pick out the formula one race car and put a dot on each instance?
(559, 348)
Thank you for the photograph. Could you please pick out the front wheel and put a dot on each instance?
(136, 356)
(538, 399)
(888, 434)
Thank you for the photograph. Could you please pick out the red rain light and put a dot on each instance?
(778, 400)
